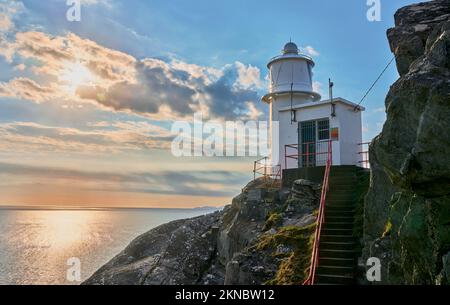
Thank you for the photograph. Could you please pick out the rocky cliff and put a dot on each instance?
(407, 209)
(262, 237)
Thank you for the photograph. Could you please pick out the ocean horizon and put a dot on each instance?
(37, 243)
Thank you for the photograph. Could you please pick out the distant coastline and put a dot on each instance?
(71, 208)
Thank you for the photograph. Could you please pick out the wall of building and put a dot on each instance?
(345, 150)
(350, 134)
(288, 133)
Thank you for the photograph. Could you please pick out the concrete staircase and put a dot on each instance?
(337, 249)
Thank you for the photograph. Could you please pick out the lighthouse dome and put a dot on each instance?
(290, 48)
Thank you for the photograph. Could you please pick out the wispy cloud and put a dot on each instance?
(192, 183)
(109, 137)
(310, 51)
(8, 11)
(317, 87)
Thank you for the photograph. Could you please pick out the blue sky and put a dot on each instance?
(215, 33)
(217, 48)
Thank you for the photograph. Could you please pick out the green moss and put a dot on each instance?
(387, 229)
(294, 265)
(274, 219)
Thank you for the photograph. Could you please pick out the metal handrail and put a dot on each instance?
(364, 155)
(269, 171)
(307, 153)
(320, 220)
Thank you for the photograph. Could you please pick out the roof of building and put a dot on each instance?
(326, 102)
(290, 48)
(289, 52)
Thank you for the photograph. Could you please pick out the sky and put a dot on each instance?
(86, 107)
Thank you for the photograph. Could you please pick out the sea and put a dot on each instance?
(42, 246)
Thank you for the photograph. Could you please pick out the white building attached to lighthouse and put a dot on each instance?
(308, 124)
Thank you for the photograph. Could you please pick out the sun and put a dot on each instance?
(75, 75)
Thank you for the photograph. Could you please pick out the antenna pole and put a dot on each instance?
(333, 105)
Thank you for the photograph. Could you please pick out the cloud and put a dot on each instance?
(111, 137)
(8, 11)
(248, 76)
(254, 113)
(317, 87)
(27, 89)
(214, 183)
(146, 86)
(310, 51)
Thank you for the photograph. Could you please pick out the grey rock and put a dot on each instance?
(407, 208)
(213, 249)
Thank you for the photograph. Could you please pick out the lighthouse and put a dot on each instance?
(309, 129)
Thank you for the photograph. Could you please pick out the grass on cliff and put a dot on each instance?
(294, 265)
(273, 219)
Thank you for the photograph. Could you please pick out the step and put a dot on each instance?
(337, 238)
(341, 214)
(337, 185)
(342, 191)
(336, 253)
(334, 279)
(351, 174)
(340, 195)
(342, 180)
(339, 209)
(346, 232)
(336, 270)
(342, 204)
(338, 225)
(341, 262)
(339, 218)
(339, 206)
(339, 202)
(336, 199)
(335, 245)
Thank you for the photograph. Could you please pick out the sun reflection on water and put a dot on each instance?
(54, 236)
(65, 229)
(35, 245)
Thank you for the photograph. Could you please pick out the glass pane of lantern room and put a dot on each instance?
(307, 144)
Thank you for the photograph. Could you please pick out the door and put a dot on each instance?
(313, 143)
(323, 137)
(307, 144)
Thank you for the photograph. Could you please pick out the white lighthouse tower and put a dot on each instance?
(307, 124)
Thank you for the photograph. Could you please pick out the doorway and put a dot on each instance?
(313, 142)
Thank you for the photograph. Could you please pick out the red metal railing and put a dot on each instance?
(312, 153)
(320, 220)
(364, 155)
(262, 167)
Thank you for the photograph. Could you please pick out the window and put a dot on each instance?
(323, 130)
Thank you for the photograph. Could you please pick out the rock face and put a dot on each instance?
(261, 237)
(407, 209)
